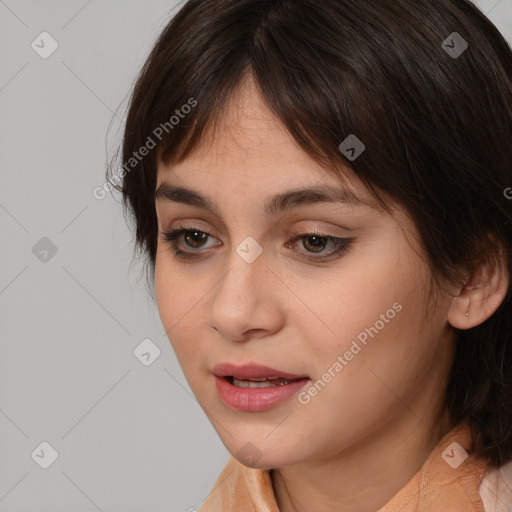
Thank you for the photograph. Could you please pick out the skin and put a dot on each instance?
(366, 434)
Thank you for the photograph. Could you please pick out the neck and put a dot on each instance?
(363, 478)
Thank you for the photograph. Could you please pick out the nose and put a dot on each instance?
(245, 303)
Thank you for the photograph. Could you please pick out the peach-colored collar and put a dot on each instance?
(448, 481)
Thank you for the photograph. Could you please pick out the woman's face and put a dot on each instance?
(261, 289)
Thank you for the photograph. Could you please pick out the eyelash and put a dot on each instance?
(341, 244)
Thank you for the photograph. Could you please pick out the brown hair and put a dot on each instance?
(435, 117)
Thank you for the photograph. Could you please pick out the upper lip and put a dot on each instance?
(248, 371)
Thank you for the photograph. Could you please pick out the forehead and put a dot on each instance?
(243, 131)
(250, 141)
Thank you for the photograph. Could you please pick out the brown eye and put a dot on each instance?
(195, 238)
(318, 243)
(180, 239)
(314, 246)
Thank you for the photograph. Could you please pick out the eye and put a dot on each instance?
(314, 244)
(194, 238)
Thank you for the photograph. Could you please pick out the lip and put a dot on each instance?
(256, 399)
(252, 371)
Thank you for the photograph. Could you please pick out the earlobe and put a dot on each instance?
(480, 297)
(463, 313)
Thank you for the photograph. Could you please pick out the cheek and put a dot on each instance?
(382, 357)
(176, 290)
(178, 299)
(374, 318)
(164, 285)
(368, 294)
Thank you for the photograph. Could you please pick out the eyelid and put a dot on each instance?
(188, 225)
(300, 226)
(300, 231)
(320, 228)
(341, 245)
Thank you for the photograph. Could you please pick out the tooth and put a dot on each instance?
(261, 383)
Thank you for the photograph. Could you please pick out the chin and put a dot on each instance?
(253, 458)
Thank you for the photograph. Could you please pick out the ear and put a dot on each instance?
(482, 294)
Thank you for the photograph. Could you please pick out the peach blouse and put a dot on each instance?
(452, 479)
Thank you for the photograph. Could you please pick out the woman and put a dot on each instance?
(320, 189)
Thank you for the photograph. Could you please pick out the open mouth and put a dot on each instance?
(257, 393)
(262, 382)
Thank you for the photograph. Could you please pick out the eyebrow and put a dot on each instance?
(279, 203)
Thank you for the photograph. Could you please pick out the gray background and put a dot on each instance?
(129, 437)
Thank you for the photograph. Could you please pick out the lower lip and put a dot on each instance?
(256, 399)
